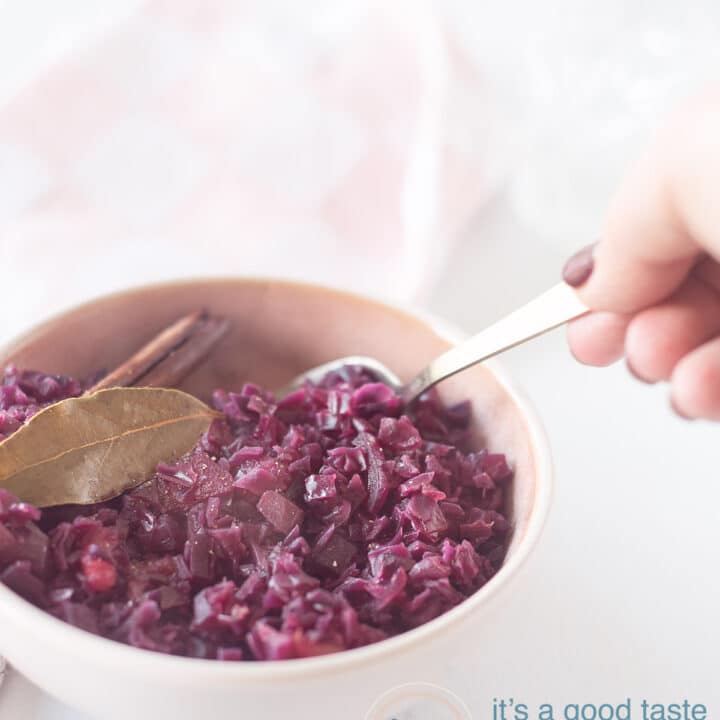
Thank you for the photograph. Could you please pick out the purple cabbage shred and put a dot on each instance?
(324, 521)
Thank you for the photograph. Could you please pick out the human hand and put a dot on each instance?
(653, 280)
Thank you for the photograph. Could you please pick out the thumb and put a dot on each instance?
(664, 217)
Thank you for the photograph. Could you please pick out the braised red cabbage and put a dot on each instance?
(326, 520)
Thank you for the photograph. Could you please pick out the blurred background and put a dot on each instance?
(446, 155)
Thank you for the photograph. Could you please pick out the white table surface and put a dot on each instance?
(620, 599)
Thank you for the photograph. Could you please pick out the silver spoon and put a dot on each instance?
(553, 308)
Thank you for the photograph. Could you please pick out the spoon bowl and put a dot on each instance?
(553, 308)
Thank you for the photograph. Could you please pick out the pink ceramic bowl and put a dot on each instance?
(278, 330)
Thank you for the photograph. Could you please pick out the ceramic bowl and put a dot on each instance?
(278, 329)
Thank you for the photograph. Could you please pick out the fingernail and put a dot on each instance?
(678, 411)
(579, 267)
(635, 374)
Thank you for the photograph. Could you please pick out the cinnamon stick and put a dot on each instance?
(170, 356)
(181, 361)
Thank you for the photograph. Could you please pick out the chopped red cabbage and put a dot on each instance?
(328, 520)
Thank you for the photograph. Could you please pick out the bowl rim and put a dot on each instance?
(79, 642)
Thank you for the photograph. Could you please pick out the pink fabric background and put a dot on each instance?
(332, 142)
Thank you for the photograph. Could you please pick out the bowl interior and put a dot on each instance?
(278, 330)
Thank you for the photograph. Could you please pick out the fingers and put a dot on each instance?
(696, 383)
(658, 263)
(675, 340)
(664, 217)
(658, 338)
(654, 340)
(599, 338)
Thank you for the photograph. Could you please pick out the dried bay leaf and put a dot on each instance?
(93, 448)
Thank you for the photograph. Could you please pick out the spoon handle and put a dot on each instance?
(553, 308)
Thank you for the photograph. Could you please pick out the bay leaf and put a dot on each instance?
(93, 448)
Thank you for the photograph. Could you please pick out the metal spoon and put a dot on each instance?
(553, 308)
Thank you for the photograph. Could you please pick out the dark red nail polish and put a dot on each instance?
(678, 411)
(579, 267)
(635, 373)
